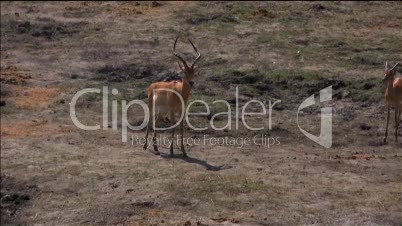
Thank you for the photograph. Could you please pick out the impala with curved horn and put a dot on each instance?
(393, 97)
(168, 99)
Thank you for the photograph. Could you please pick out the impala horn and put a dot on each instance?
(178, 56)
(198, 54)
(394, 66)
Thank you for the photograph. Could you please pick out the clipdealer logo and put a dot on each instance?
(238, 142)
(324, 138)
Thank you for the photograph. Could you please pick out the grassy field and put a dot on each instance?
(55, 173)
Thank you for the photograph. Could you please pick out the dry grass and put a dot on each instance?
(273, 50)
(13, 75)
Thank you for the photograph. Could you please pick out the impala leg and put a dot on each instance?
(146, 135)
(172, 121)
(399, 116)
(149, 123)
(386, 128)
(182, 139)
(396, 123)
(154, 137)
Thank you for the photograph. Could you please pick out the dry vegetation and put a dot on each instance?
(54, 173)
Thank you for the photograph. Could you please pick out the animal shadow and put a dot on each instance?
(192, 160)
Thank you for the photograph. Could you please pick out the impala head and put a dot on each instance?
(187, 70)
(389, 72)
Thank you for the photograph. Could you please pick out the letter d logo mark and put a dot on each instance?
(325, 138)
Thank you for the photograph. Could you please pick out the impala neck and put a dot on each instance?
(186, 88)
(390, 83)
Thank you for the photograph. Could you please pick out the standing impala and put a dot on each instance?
(164, 96)
(393, 96)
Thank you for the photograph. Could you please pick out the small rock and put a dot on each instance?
(318, 7)
(364, 126)
(113, 185)
(156, 4)
(368, 85)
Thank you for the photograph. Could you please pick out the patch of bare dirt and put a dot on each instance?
(14, 89)
(33, 97)
(34, 128)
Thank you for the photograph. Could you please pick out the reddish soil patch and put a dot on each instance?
(363, 156)
(30, 129)
(33, 97)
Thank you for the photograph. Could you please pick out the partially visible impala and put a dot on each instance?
(167, 103)
(393, 96)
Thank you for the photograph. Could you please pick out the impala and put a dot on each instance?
(164, 97)
(393, 97)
